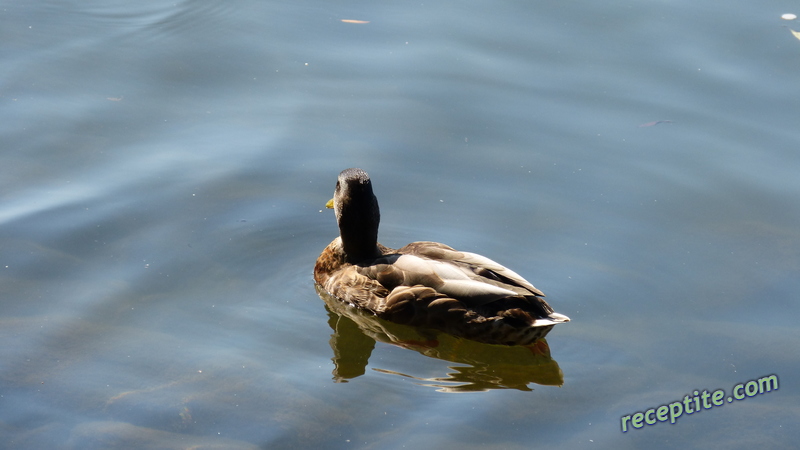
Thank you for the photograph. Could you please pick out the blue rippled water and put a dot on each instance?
(165, 169)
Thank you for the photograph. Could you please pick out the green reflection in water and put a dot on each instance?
(481, 366)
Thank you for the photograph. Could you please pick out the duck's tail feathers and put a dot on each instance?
(552, 319)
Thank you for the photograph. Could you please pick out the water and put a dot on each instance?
(165, 167)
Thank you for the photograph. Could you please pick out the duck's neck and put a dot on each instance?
(358, 227)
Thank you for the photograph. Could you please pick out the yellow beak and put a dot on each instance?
(329, 205)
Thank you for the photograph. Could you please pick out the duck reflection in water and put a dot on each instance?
(481, 367)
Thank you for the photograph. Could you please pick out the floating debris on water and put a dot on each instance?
(653, 123)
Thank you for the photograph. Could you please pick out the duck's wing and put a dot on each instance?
(452, 280)
(481, 266)
(466, 277)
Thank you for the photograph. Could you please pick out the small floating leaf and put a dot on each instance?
(354, 21)
(795, 33)
(653, 123)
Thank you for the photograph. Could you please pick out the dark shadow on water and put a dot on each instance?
(482, 367)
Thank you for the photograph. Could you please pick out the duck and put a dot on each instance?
(425, 284)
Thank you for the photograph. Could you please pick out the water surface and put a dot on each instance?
(161, 207)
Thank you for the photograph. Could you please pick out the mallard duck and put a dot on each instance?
(425, 284)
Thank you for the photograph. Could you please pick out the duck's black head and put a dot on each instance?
(357, 214)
